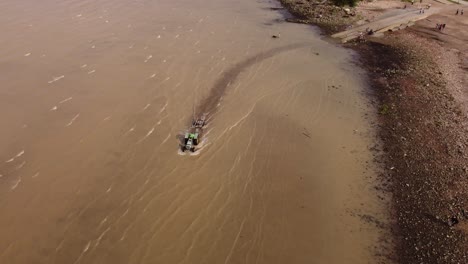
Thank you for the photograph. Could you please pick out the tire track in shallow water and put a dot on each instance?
(209, 104)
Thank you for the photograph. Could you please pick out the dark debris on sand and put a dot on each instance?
(323, 13)
(426, 153)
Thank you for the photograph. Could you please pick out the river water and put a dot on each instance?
(95, 93)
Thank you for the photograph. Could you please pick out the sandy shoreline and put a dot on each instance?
(422, 123)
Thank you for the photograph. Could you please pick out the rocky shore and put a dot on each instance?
(424, 134)
(329, 17)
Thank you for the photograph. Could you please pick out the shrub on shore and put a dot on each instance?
(351, 3)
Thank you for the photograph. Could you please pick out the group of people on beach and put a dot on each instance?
(440, 27)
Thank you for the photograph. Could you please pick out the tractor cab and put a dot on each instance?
(190, 141)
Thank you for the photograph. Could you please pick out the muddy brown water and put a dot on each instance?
(94, 94)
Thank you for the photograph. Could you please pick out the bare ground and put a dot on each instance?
(425, 149)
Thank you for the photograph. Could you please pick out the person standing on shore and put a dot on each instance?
(456, 12)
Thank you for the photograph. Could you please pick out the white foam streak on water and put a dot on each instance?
(98, 241)
(166, 139)
(66, 100)
(21, 165)
(148, 58)
(15, 185)
(207, 133)
(85, 249)
(103, 221)
(56, 79)
(146, 136)
(21, 153)
(164, 107)
(129, 131)
(72, 120)
(146, 107)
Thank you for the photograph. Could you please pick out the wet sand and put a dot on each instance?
(94, 95)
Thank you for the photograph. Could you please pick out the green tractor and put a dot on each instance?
(192, 137)
(190, 141)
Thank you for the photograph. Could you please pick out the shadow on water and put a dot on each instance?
(208, 105)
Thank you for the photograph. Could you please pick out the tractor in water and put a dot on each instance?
(192, 137)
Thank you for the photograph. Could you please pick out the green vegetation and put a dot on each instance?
(351, 3)
(384, 109)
